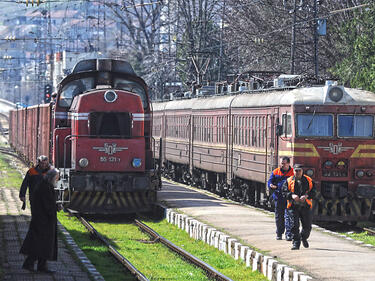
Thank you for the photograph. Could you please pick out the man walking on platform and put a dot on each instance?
(299, 190)
(275, 183)
(40, 243)
(33, 177)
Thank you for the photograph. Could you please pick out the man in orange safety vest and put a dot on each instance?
(299, 190)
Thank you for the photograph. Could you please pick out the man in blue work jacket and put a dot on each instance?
(275, 183)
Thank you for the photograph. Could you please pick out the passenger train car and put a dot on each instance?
(98, 133)
(230, 144)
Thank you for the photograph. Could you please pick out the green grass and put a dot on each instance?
(9, 177)
(362, 236)
(154, 260)
(236, 270)
(95, 252)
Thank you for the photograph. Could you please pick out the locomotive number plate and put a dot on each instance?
(110, 159)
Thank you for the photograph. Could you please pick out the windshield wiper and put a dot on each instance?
(352, 126)
(308, 127)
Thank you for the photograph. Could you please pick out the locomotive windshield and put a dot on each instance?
(78, 86)
(355, 125)
(315, 125)
(74, 88)
(131, 86)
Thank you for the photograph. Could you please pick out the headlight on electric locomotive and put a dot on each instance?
(137, 162)
(360, 173)
(83, 162)
(110, 96)
(310, 172)
(328, 164)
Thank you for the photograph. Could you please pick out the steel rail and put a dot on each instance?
(212, 272)
(111, 249)
(371, 231)
(11, 153)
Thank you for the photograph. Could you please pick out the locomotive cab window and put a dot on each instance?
(110, 124)
(356, 126)
(131, 86)
(74, 88)
(315, 125)
(287, 124)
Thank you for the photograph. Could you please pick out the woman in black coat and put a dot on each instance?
(41, 239)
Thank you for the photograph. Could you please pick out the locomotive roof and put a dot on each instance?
(111, 65)
(303, 96)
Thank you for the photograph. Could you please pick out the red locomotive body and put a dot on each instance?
(230, 145)
(99, 138)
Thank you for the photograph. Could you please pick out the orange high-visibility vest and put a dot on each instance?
(291, 181)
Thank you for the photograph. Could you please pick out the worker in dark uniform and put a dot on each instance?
(299, 190)
(40, 243)
(275, 184)
(33, 176)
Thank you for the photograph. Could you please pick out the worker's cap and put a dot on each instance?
(297, 167)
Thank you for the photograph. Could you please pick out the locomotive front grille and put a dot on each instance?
(334, 190)
(114, 124)
(339, 173)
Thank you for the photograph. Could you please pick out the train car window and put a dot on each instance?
(73, 88)
(356, 126)
(133, 87)
(315, 125)
(287, 124)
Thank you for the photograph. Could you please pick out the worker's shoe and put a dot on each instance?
(288, 238)
(296, 246)
(305, 243)
(278, 237)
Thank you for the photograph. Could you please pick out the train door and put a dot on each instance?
(271, 145)
(190, 130)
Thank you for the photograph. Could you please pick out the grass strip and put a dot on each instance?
(234, 269)
(9, 177)
(94, 250)
(363, 236)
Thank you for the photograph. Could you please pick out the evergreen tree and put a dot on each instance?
(357, 67)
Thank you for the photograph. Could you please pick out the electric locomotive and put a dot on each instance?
(229, 144)
(100, 139)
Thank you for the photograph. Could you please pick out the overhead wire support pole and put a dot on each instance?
(316, 42)
(293, 43)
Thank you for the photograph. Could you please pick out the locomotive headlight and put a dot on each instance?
(137, 162)
(328, 164)
(336, 93)
(110, 96)
(360, 173)
(83, 162)
(341, 164)
(310, 172)
(369, 173)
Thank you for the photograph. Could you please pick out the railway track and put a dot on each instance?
(210, 271)
(125, 262)
(370, 230)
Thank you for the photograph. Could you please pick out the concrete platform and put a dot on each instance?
(14, 224)
(329, 257)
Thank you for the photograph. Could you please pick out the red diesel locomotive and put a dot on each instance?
(230, 144)
(98, 133)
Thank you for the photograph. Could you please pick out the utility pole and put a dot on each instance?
(221, 42)
(316, 62)
(293, 43)
(304, 36)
